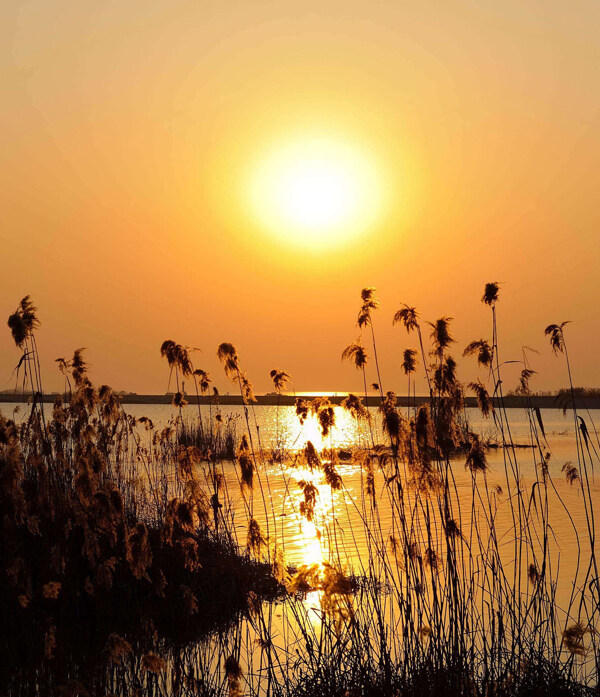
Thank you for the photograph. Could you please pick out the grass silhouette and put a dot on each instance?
(150, 561)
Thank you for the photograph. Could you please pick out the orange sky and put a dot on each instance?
(132, 132)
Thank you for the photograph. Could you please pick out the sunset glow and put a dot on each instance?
(299, 381)
(316, 192)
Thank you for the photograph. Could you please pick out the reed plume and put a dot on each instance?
(571, 473)
(322, 408)
(409, 361)
(357, 354)
(440, 335)
(490, 294)
(246, 463)
(23, 322)
(482, 350)
(302, 409)
(354, 405)
(234, 674)
(483, 398)
(409, 317)
(557, 339)
(524, 378)
(369, 304)
(178, 357)
(203, 380)
(476, 457)
(227, 354)
(280, 379)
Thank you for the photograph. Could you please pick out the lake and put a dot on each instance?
(520, 513)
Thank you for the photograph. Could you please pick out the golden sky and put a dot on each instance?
(144, 144)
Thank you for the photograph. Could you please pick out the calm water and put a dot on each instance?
(312, 542)
(351, 530)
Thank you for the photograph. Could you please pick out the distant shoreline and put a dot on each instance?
(512, 401)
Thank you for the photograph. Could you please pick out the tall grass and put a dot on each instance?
(421, 586)
(108, 530)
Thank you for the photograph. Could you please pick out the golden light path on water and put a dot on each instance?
(340, 531)
(351, 531)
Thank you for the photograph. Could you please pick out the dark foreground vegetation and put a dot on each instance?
(108, 539)
(123, 571)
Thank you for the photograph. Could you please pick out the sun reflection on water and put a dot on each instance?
(311, 541)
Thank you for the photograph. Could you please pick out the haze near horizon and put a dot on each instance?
(238, 172)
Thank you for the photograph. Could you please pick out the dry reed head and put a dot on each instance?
(306, 579)
(476, 458)
(424, 631)
(312, 457)
(526, 375)
(369, 304)
(482, 350)
(151, 663)
(227, 354)
(452, 529)
(356, 353)
(353, 404)
(310, 492)
(533, 574)
(280, 379)
(203, 379)
(139, 552)
(179, 400)
(393, 422)
(335, 587)
(117, 648)
(432, 560)
(246, 463)
(79, 366)
(336, 599)
(167, 350)
(302, 410)
(177, 356)
(571, 473)
(423, 429)
(63, 365)
(332, 476)
(557, 338)
(322, 408)
(234, 674)
(444, 376)
(254, 539)
(246, 388)
(279, 569)
(367, 465)
(23, 322)
(483, 398)
(490, 294)
(573, 638)
(408, 316)
(409, 361)
(440, 335)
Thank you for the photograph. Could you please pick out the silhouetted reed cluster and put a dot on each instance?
(110, 528)
(111, 522)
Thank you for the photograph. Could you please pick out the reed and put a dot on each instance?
(114, 523)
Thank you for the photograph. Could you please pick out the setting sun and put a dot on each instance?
(315, 192)
(335, 431)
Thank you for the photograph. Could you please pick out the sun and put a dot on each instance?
(315, 192)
